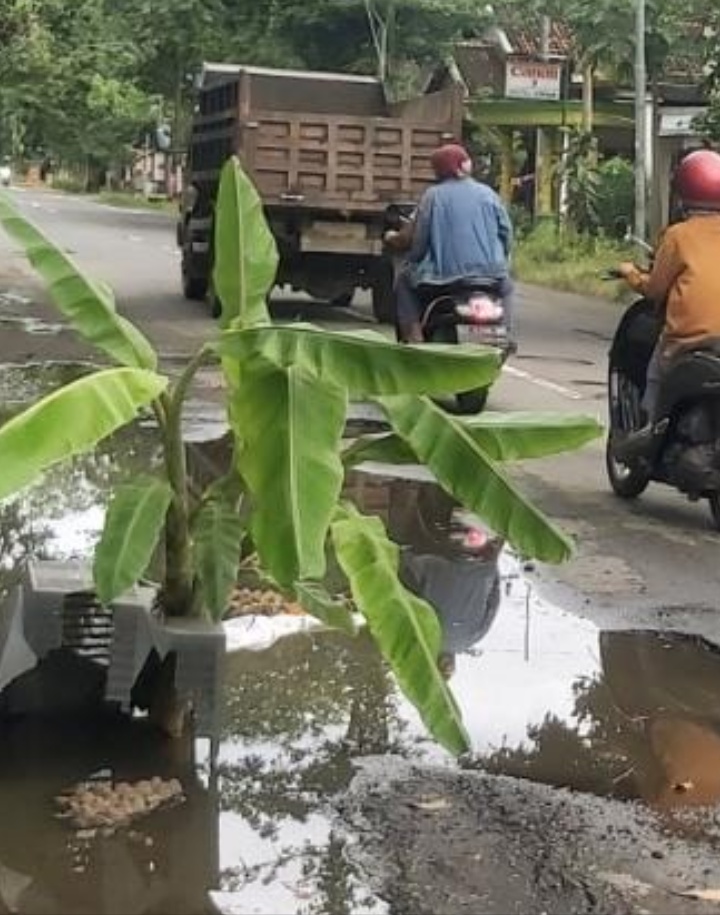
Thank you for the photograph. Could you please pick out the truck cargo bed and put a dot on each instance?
(356, 154)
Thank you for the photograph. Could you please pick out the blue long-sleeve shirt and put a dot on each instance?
(462, 230)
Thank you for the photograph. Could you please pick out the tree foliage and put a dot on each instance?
(84, 80)
(604, 30)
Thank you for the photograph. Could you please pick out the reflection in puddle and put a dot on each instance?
(21, 384)
(544, 694)
(11, 301)
(165, 863)
(32, 326)
(297, 715)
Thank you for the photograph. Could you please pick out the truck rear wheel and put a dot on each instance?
(194, 287)
(383, 294)
(344, 300)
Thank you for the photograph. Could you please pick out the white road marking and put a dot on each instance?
(137, 238)
(560, 389)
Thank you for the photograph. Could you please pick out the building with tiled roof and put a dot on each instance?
(488, 69)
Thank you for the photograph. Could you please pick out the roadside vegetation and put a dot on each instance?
(549, 257)
(82, 83)
(127, 199)
(571, 252)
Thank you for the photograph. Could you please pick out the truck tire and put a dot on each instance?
(344, 300)
(383, 294)
(194, 287)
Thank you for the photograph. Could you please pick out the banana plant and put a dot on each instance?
(288, 390)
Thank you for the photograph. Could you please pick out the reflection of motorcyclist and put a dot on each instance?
(461, 232)
(684, 280)
(447, 561)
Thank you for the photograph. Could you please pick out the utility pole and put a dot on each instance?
(545, 37)
(542, 151)
(640, 121)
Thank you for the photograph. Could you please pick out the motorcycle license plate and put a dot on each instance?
(476, 333)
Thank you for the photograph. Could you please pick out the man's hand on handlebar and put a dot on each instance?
(627, 269)
(399, 239)
(624, 271)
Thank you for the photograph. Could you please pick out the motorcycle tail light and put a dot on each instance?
(481, 310)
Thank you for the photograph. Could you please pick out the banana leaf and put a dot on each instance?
(246, 257)
(70, 421)
(289, 425)
(364, 363)
(217, 531)
(335, 613)
(462, 467)
(89, 306)
(405, 628)
(134, 522)
(521, 436)
(502, 436)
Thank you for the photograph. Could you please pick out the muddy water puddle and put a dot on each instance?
(544, 694)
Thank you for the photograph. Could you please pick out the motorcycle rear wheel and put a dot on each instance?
(470, 403)
(628, 481)
(467, 403)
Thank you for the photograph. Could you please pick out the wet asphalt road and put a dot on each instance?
(635, 560)
(649, 565)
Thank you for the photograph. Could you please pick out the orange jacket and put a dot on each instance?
(686, 278)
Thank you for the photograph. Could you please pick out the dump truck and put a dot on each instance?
(330, 157)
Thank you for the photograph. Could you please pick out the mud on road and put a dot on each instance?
(442, 843)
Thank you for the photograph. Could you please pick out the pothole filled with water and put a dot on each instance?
(544, 695)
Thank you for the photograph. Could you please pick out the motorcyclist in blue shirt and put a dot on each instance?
(461, 232)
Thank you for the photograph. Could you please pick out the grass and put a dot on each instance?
(120, 199)
(571, 264)
(136, 201)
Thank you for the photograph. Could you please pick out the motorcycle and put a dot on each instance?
(684, 448)
(466, 311)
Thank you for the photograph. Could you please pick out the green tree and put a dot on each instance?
(385, 37)
(69, 83)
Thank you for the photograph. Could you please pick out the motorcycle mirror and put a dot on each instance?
(632, 239)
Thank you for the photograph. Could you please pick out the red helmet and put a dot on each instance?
(697, 180)
(448, 161)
